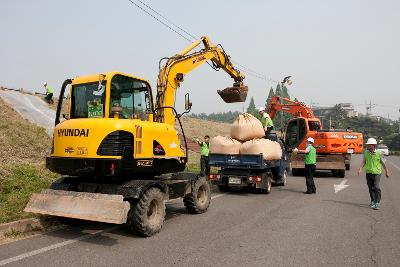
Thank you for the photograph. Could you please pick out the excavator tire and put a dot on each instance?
(147, 214)
(199, 199)
(347, 167)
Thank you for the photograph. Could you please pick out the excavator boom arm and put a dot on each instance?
(172, 74)
(297, 109)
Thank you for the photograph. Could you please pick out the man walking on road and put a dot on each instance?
(310, 162)
(372, 163)
(49, 93)
(205, 150)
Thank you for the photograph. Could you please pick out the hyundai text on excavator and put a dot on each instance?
(119, 152)
(334, 147)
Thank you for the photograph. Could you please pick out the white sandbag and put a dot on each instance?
(271, 150)
(224, 145)
(246, 127)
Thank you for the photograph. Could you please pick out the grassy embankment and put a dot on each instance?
(22, 169)
(196, 128)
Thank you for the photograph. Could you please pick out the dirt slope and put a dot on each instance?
(22, 171)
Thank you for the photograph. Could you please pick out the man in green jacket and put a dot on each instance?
(266, 120)
(49, 93)
(310, 161)
(204, 151)
(372, 163)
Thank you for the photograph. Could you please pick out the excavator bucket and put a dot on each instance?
(234, 94)
(80, 205)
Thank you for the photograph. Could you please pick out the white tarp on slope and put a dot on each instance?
(31, 107)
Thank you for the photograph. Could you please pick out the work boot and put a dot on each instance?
(372, 205)
(377, 206)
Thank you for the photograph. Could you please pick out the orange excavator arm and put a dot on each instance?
(297, 109)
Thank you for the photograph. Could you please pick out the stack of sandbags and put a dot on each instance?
(246, 127)
(224, 145)
(271, 150)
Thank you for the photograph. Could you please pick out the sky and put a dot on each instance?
(336, 51)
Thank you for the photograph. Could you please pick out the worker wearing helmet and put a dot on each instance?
(266, 120)
(204, 152)
(49, 93)
(373, 163)
(310, 161)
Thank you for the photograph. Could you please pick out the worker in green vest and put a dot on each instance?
(266, 120)
(49, 93)
(204, 151)
(373, 163)
(310, 161)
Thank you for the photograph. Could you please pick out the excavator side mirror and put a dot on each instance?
(188, 104)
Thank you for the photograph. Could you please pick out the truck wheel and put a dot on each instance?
(146, 216)
(268, 187)
(341, 173)
(296, 172)
(283, 179)
(199, 200)
(347, 167)
(224, 188)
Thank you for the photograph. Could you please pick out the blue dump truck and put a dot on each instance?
(249, 171)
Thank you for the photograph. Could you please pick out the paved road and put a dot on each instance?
(285, 228)
(31, 107)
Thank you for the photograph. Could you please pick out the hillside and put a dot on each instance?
(22, 171)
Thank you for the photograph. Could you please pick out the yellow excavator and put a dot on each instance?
(118, 151)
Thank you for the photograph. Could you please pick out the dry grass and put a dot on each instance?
(20, 140)
(22, 171)
(196, 128)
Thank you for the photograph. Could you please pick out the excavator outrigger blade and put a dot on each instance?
(236, 93)
(80, 205)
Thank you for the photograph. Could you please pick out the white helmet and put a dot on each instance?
(310, 139)
(261, 109)
(45, 83)
(371, 141)
(266, 115)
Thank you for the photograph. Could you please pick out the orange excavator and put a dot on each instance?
(334, 147)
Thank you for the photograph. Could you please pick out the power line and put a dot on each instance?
(155, 11)
(163, 23)
(167, 23)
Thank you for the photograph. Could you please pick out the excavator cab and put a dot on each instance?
(298, 129)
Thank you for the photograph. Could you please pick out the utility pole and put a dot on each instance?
(369, 108)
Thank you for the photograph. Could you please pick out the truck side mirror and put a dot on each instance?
(188, 104)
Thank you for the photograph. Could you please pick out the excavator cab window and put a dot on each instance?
(314, 125)
(132, 96)
(295, 132)
(87, 100)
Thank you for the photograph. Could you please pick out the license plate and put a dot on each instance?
(350, 151)
(234, 180)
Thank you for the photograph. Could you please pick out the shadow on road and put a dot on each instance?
(85, 227)
(348, 203)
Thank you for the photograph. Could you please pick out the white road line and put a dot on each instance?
(394, 165)
(54, 246)
(217, 196)
(65, 243)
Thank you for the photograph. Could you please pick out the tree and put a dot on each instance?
(270, 95)
(252, 107)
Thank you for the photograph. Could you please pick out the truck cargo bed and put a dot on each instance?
(229, 161)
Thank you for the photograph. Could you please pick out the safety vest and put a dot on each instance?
(311, 157)
(205, 149)
(49, 89)
(270, 122)
(373, 162)
(261, 119)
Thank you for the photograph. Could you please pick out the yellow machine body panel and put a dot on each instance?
(82, 137)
